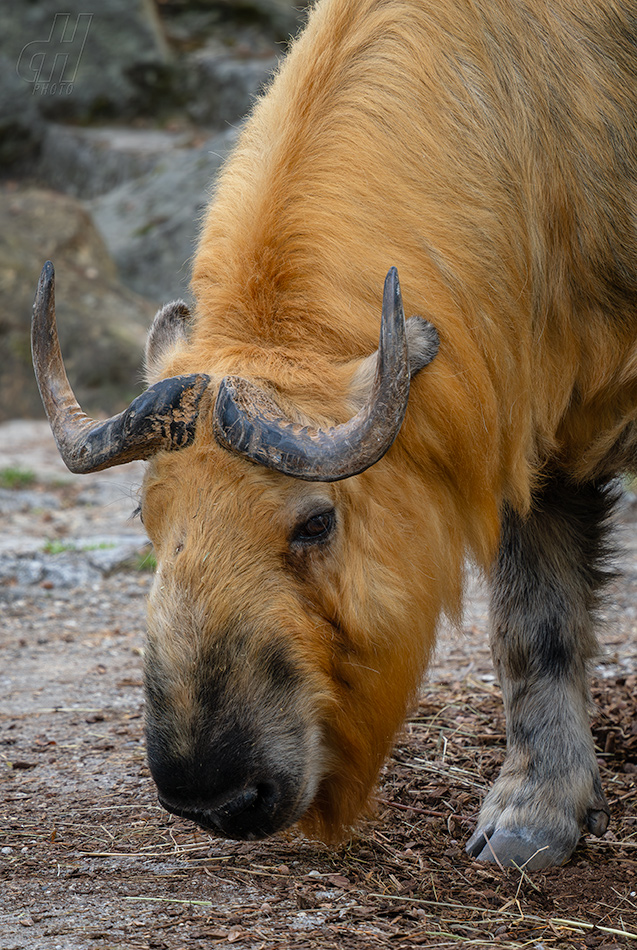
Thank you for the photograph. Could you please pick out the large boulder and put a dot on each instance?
(21, 128)
(189, 24)
(150, 225)
(96, 59)
(119, 59)
(223, 84)
(102, 324)
(88, 161)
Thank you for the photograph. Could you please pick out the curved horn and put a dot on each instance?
(248, 422)
(163, 417)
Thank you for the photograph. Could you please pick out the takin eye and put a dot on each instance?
(316, 529)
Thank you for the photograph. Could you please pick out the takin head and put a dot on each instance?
(293, 607)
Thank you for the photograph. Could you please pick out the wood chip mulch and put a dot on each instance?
(157, 883)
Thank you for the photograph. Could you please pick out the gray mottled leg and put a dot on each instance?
(545, 590)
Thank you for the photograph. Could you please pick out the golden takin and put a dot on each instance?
(313, 496)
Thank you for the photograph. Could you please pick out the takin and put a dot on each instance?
(312, 496)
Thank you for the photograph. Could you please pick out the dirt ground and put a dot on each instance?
(89, 860)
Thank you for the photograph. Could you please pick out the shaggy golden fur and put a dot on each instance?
(486, 149)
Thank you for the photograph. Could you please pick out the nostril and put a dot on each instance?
(260, 800)
(235, 806)
(269, 795)
(244, 813)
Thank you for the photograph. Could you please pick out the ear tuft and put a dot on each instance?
(169, 327)
(423, 343)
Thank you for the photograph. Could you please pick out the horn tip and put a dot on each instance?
(392, 284)
(48, 271)
(46, 283)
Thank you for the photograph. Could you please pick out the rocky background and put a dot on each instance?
(114, 118)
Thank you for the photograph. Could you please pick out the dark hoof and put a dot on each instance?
(597, 822)
(514, 849)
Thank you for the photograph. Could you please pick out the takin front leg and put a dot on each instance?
(545, 590)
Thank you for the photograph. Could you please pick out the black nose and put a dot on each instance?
(250, 812)
(225, 782)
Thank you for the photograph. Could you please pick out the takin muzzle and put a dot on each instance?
(230, 743)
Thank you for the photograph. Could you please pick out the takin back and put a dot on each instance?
(312, 496)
